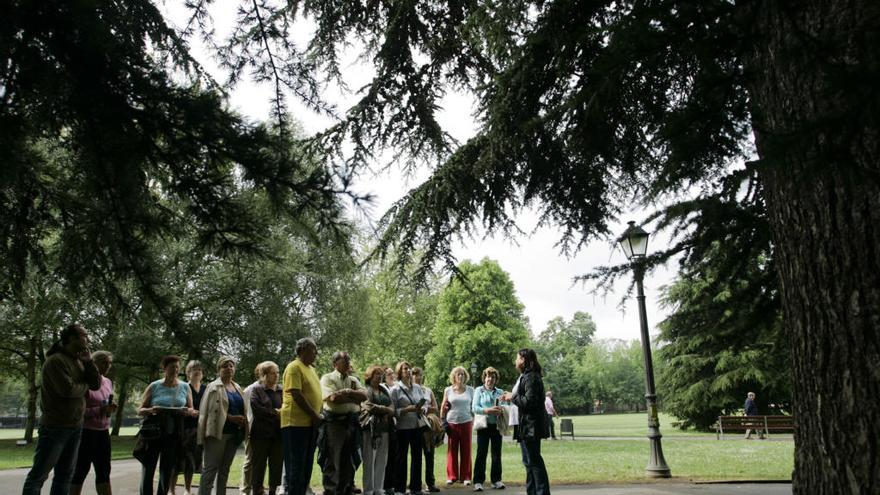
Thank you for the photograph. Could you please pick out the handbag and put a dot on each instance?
(481, 421)
(150, 429)
(149, 432)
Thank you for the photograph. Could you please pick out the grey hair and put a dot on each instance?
(304, 343)
(193, 365)
(338, 355)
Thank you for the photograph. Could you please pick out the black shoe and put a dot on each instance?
(433, 489)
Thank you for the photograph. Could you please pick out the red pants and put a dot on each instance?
(459, 443)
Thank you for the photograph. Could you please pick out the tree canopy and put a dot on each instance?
(480, 321)
(582, 106)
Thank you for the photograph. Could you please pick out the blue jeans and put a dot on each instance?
(57, 449)
(537, 482)
(299, 443)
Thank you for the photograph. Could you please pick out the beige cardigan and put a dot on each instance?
(213, 408)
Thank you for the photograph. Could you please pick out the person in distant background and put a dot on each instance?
(551, 413)
(752, 410)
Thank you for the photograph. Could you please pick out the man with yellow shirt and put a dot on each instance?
(342, 395)
(300, 416)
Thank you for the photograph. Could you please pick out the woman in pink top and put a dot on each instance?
(94, 445)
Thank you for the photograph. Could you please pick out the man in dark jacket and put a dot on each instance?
(528, 396)
(67, 376)
(752, 410)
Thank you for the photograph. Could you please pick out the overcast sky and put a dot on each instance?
(542, 276)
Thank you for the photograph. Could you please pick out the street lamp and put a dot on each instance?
(474, 369)
(634, 243)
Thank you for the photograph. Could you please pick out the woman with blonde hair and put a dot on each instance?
(223, 425)
(376, 423)
(94, 444)
(456, 409)
(265, 436)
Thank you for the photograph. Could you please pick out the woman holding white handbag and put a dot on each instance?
(486, 412)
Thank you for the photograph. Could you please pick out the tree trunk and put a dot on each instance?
(33, 389)
(122, 388)
(815, 106)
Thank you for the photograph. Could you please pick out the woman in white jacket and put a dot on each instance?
(223, 425)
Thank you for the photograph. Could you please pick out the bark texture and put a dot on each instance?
(814, 88)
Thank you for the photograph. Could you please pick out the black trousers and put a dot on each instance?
(485, 437)
(408, 440)
(537, 482)
(94, 448)
(429, 465)
(163, 452)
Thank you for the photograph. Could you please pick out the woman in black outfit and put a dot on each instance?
(192, 451)
(528, 396)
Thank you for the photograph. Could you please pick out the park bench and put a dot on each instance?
(765, 424)
(566, 427)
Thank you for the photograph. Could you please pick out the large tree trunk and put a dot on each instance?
(814, 90)
(33, 388)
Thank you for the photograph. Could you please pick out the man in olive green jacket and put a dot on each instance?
(67, 376)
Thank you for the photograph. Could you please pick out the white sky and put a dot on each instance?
(542, 276)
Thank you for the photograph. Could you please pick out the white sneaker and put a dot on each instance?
(498, 485)
(467, 482)
(449, 482)
(478, 487)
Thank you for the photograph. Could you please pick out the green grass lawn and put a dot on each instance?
(624, 425)
(579, 461)
(619, 461)
(14, 456)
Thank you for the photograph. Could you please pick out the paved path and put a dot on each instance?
(126, 477)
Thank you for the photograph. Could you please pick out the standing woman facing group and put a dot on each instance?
(528, 396)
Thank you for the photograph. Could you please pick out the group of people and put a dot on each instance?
(389, 422)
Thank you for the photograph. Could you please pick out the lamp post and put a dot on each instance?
(634, 243)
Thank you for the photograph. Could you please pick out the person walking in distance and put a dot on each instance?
(551, 413)
(751, 409)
